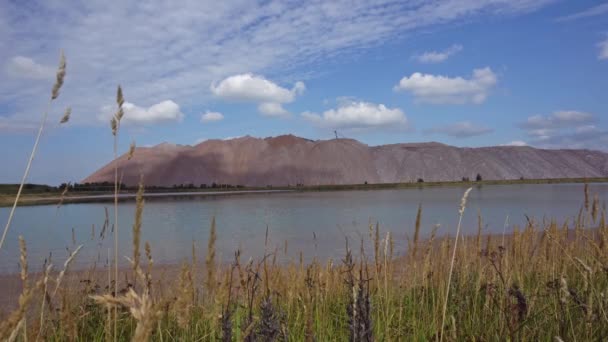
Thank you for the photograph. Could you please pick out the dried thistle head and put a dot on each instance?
(131, 150)
(60, 77)
(66, 115)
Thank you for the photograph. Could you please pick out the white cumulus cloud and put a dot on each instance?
(212, 117)
(438, 56)
(253, 88)
(272, 109)
(464, 129)
(515, 143)
(164, 111)
(20, 66)
(455, 90)
(358, 114)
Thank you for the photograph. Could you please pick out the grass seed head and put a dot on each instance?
(60, 77)
(66, 115)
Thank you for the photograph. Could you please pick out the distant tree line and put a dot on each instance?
(109, 186)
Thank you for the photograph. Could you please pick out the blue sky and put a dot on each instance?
(465, 73)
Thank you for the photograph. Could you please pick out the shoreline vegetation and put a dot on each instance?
(39, 194)
(545, 281)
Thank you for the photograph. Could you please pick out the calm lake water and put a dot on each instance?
(171, 225)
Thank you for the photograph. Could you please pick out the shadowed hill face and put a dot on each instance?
(293, 160)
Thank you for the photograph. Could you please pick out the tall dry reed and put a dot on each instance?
(61, 71)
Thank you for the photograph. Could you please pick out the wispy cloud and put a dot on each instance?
(559, 119)
(159, 50)
(25, 67)
(565, 129)
(464, 129)
(590, 12)
(438, 56)
(443, 89)
(603, 45)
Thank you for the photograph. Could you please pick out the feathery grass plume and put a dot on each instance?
(417, 229)
(66, 115)
(131, 150)
(55, 93)
(59, 77)
(183, 303)
(66, 265)
(23, 262)
(463, 204)
(210, 259)
(120, 100)
(148, 250)
(114, 125)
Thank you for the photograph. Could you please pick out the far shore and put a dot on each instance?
(54, 197)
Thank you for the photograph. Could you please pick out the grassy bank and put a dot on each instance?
(43, 194)
(545, 281)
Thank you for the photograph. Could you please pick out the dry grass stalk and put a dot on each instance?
(60, 76)
(115, 124)
(586, 190)
(139, 208)
(16, 320)
(66, 265)
(210, 260)
(595, 208)
(463, 204)
(417, 230)
(45, 281)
